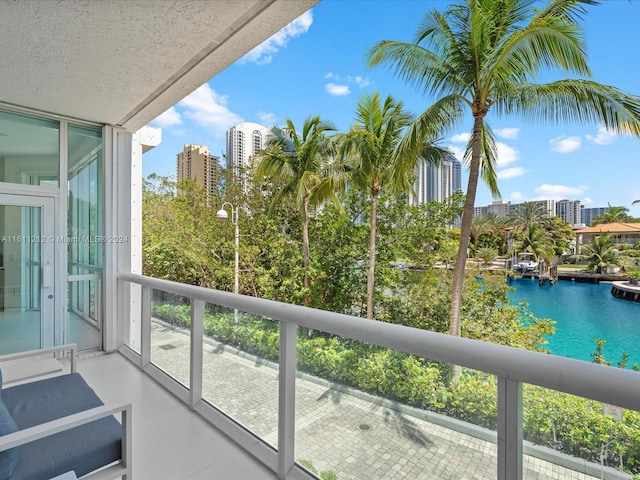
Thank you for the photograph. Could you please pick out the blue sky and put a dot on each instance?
(316, 66)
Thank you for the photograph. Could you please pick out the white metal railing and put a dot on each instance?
(512, 367)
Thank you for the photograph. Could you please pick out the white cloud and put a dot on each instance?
(587, 201)
(604, 137)
(208, 109)
(457, 151)
(508, 133)
(558, 192)
(338, 90)
(264, 52)
(461, 138)
(267, 118)
(168, 119)
(340, 84)
(511, 173)
(362, 82)
(506, 154)
(517, 197)
(564, 144)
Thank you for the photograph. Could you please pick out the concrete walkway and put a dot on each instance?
(336, 431)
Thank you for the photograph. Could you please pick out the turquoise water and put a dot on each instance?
(584, 312)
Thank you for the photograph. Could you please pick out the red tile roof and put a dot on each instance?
(618, 227)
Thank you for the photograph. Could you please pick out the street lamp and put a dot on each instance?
(222, 214)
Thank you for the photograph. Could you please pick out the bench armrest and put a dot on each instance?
(72, 348)
(43, 430)
(120, 470)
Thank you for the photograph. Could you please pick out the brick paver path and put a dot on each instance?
(336, 431)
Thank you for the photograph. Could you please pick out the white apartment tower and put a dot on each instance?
(196, 163)
(436, 182)
(243, 141)
(570, 211)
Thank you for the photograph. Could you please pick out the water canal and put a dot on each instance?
(584, 312)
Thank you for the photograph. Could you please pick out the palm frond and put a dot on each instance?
(575, 100)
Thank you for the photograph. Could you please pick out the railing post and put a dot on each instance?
(197, 332)
(509, 429)
(286, 399)
(145, 326)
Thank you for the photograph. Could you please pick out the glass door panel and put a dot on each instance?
(26, 273)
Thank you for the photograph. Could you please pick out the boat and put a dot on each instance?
(524, 262)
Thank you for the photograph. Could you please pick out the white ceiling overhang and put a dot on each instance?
(124, 62)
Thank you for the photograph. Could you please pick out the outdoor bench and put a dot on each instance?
(58, 425)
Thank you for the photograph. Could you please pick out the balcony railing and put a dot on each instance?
(511, 367)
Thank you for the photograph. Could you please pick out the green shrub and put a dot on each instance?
(570, 424)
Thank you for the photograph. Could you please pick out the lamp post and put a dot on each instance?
(222, 214)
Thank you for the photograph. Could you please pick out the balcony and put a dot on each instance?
(170, 442)
(283, 416)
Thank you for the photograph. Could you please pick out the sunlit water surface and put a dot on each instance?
(584, 312)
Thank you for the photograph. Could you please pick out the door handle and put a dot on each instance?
(47, 271)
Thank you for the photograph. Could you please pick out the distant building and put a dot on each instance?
(436, 182)
(620, 232)
(499, 208)
(243, 142)
(547, 206)
(570, 211)
(197, 164)
(588, 214)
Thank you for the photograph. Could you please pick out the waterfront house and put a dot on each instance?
(621, 232)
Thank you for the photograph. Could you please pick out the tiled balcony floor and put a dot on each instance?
(169, 441)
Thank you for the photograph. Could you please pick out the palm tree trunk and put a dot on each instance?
(465, 229)
(305, 239)
(372, 253)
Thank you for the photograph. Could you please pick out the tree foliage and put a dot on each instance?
(485, 55)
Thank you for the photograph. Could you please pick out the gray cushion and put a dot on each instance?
(8, 458)
(81, 449)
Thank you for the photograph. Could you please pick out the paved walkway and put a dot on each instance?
(354, 438)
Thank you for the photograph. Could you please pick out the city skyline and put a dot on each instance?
(298, 73)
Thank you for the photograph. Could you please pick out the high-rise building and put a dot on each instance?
(196, 163)
(436, 182)
(456, 176)
(588, 214)
(243, 142)
(570, 211)
(499, 208)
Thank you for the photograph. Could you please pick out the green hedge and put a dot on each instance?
(563, 422)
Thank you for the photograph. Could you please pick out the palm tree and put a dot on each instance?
(489, 231)
(636, 202)
(612, 215)
(484, 55)
(601, 252)
(486, 254)
(372, 162)
(538, 241)
(527, 214)
(298, 161)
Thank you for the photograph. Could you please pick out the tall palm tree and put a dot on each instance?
(298, 161)
(484, 55)
(372, 162)
(526, 215)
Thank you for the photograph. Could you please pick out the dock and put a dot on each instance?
(626, 291)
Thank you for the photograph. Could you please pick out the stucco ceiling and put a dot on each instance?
(124, 62)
